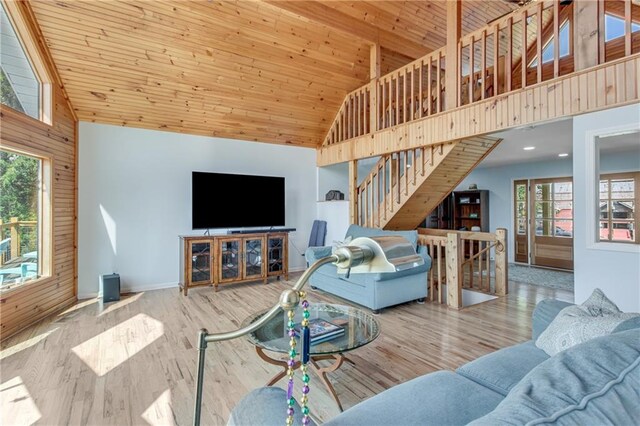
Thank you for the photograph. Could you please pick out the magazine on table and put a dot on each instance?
(321, 330)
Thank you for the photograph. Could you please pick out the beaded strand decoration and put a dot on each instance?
(304, 362)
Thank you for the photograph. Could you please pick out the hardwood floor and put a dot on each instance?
(133, 361)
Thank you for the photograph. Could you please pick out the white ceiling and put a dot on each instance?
(549, 140)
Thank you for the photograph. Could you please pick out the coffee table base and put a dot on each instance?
(321, 372)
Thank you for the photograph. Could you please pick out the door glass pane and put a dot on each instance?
(543, 191)
(229, 259)
(562, 191)
(622, 189)
(276, 254)
(522, 226)
(604, 189)
(622, 230)
(253, 257)
(563, 228)
(521, 192)
(521, 209)
(604, 230)
(563, 209)
(544, 228)
(543, 209)
(200, 262)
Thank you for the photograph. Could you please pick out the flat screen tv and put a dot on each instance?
(221, 200)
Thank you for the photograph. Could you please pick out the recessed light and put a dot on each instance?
(564, 154)
(529, 148)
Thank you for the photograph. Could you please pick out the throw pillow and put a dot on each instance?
(597, 316)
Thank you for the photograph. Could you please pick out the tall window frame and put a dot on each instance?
(28, 37)
(44, 221)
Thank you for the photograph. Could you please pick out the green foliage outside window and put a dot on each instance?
(7, 94)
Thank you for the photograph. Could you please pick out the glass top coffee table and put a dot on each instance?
(360, 328)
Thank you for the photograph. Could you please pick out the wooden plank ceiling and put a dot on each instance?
(268, 71)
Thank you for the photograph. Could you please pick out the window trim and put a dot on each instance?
(621, 175)
(45, 221)
(28, 38)
(592, 193)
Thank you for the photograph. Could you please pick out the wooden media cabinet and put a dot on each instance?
(235, 258)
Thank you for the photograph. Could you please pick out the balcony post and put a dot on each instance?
(374, 75)
(585, 40)
(452, 71)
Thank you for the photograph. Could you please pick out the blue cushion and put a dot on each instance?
(442, 398)
(596, 382)
(356, 231)
(545, 311)
(263, 406)
(629, 324)
(500, 371)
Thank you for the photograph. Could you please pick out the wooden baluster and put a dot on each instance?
(397, 99)
(459, 71)
(420, 88)
(488, 268)
(556, 38)
(431, 283)
(353, 127)
(523, 59)
(472, 69)
(383, 201)
(406, 172)
(439, 82)
(539, 42)
(404, 94)
(601, 33)
(422, 160)
(413, 93)
(627, 28)
(508, 66)
(429, 90)
(413, 165)
(483, 63)
(471, 262)
(391, 180)
(398, 179)
(496, 58)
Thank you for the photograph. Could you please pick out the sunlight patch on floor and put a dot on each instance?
(112, 347)
(16, 405)
(5, 353)
(112, 306)
(160, 413)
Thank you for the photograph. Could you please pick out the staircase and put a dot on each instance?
(404, 186)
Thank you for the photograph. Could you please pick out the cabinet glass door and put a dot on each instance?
(200, 262)
(229, 260)
(253, 252)
(276, 255)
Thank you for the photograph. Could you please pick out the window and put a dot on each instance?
(22, 210)
(25, 84)
(549, 49)
(614, 27)
(618, 194)
(553, 209)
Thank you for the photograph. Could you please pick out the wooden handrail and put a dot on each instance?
(466, 255)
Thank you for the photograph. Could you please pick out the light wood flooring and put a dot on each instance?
(133, 361)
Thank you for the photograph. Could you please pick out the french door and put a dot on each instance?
(544, 222)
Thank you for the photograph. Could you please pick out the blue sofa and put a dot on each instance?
(596, 382)
(375, 291)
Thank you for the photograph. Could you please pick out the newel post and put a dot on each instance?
(454, 270)
(502, 276)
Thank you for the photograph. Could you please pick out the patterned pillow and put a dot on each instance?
(575, 324)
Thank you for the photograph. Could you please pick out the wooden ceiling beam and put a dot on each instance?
(319, 13)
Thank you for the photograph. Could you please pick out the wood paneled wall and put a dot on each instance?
(57, 142)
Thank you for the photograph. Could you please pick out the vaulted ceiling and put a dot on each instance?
(270, 71)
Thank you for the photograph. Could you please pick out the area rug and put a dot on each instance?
(541, 277)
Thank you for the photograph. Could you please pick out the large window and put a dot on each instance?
(553, 209)
(21, 215)
(617, 207)
(548, 51)
(25, 82)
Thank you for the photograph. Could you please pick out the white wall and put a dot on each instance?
(336, 214)
(333, 177)
(614, 269)
(499, 182)
(135, 198)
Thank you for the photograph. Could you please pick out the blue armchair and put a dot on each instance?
(375, 291)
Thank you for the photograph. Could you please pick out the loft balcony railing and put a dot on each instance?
(533, 44)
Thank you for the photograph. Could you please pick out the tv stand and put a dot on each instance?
(227, 259)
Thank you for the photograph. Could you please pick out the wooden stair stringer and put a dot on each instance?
(446, 174)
